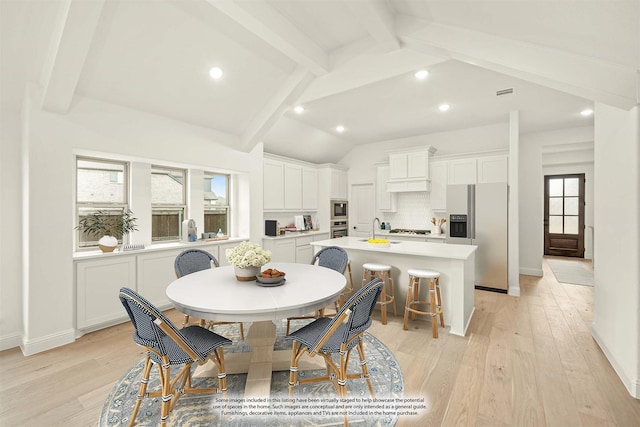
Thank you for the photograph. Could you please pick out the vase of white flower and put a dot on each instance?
(247, 258)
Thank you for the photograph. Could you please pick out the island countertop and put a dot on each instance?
(455, 263)
(435, 250)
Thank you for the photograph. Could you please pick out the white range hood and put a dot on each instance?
(409, 170)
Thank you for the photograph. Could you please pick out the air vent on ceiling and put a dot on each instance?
(504, 92)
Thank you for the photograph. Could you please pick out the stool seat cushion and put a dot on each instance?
(423, 274)
(371, 266)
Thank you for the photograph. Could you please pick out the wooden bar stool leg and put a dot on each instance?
(407, 305)
(393, 293)
(432, 308)
(383, 299)
(416, 296)
(441, 311)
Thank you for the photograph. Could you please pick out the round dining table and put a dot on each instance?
(216, 294)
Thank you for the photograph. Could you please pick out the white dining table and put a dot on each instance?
(216, 294)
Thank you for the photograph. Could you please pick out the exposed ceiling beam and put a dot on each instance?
(288, 93)
(568, 72)
(368, 68)
(378, 20)
(265, 22)
(68, 51)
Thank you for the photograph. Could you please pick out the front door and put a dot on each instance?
(362, 210)
(564, 215)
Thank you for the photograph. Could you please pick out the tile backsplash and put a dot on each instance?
(413, 212)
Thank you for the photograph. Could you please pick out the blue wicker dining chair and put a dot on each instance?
(340, 334)
(193, 260)
(331, 257)
(168, 346)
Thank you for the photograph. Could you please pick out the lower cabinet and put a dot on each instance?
(98, 282)
(282, 250)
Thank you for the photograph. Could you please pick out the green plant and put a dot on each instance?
(105, 223)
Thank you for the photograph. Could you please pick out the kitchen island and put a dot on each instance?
(455, 263)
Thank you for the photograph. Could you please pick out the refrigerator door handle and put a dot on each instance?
(471, 208)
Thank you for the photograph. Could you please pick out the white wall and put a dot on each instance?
(564, 151)
(50, 144)
(10, 232)
(616, 317)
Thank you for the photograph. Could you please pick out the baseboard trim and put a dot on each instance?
(531, 271)
(30, 347)
(632, 385)
(514, 291)
(10, 341)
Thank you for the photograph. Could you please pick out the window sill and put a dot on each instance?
(153, 248)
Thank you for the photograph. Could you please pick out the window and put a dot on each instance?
(216, 203)
(101, 185)
(167, 203)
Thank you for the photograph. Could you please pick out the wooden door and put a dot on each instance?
(564, 215)
(361, 210)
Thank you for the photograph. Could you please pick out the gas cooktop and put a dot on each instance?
(406, 231)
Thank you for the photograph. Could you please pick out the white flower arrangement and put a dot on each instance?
(248, 255)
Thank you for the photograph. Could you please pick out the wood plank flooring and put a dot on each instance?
(527, 361)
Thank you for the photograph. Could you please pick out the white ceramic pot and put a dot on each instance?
(436, 229)
(247, 273)
(107, 243)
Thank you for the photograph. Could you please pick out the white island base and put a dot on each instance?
(455, 263)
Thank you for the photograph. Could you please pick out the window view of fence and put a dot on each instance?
(216, 203)
(167, 203)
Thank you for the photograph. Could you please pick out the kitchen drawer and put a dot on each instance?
(304, 241)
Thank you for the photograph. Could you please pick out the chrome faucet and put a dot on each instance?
(373, 227)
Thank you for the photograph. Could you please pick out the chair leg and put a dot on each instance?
(393, 293)
(383, 299)
(407, 305)
(165, 379)
(241, 331)
(365, 369)
(143, 389)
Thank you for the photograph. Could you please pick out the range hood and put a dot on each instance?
(409, 170)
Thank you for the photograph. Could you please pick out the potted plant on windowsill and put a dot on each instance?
(111, 226)
(247, 258)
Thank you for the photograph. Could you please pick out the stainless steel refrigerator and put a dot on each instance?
(477, 215)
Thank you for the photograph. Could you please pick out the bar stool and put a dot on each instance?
(383, 271)
(413, 299)
(347, 289)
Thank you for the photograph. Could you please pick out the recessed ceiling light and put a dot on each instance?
(299, 109)
(215, 73)
(444, 107)
(339, 128)
(422, 74)
(587, 112)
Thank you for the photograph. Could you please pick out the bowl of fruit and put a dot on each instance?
(271, 276)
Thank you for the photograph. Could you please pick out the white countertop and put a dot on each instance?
(294, 234)
(426, 249)
(388, 235)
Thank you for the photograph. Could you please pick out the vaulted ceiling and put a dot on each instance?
(347, 62)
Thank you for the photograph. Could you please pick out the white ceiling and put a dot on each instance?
(349, 62)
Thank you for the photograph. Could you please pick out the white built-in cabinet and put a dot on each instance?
(296, 249)
(289, 186)
(439, 179)
(468, 170)
(385, 200)
(339, 184)
(98, 280)
(409, 170)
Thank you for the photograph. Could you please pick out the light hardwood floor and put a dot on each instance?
(527, 361)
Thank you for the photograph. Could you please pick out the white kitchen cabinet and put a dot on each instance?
(339, 184)
(439, 178)
(304, 254)
(320, 236)
(462, 171)
(273, 185)
(292, 187)
(98, 282)
(282, 250)
(414, 164)
(309, 189)
(493, 169)
(154, 273)
(386, 201)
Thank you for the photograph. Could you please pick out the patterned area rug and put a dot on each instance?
(205, 410)
(572, 272)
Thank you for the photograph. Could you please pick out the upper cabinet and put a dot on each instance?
(386, 201)
(493, 169)
(289, 186)
(339, 185)
(462, 171)
(409, 170)
(439, 179)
